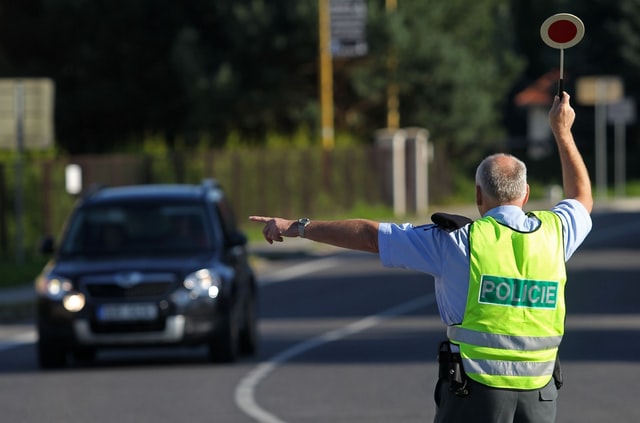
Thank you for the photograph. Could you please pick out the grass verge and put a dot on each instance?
(14, 273)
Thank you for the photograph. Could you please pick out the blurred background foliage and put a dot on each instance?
(230, 72)
(166, 79)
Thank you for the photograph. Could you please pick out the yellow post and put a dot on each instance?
(326, 75)
(393, 102)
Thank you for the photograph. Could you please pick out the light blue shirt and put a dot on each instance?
(445, 255)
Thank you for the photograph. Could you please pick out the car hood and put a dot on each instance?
(180, 266)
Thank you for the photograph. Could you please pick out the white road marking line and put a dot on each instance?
(245, 390)
(298, 270)
(24, 338)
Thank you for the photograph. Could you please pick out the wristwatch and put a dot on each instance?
(302, 223)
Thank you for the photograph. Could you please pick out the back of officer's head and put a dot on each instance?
(502, 177)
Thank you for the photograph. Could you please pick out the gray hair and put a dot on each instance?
(502, 177)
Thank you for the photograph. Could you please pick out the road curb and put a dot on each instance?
(17, 311)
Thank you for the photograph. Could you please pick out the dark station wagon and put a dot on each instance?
(147, 265)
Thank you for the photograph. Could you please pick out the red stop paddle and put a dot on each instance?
(561, 31)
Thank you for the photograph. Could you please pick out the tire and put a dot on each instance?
(248, 341)
(85, 355)
(223, 347)
(51, 355)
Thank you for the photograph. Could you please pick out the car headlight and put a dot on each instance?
(203, 283)
(74, 301)
(53, 286)
(60, 289)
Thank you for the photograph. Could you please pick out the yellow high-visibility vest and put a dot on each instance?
(514, 318)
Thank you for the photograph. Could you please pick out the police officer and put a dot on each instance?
(499, 281)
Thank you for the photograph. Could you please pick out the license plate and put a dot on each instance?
(127, 312)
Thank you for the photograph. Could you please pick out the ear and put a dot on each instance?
(479, 196)
(526, 197)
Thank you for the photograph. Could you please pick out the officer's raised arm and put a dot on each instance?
(575, 177)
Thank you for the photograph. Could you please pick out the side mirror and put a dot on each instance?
(237, 238)
(47, 245)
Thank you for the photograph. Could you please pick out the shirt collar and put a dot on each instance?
(514, 217)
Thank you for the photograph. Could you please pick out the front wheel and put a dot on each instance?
(51, 355)
(249, 332)
(223, 347)
(86, 355)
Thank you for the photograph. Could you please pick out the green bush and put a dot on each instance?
(14, 274)
(349, 181)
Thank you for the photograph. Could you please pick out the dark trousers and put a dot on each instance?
(490, 405)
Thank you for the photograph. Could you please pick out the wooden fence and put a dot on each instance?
(287, 182)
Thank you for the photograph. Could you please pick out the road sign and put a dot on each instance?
(32, 100)
(592, 90)
(622, 112)
(348, 28)
(599, 91)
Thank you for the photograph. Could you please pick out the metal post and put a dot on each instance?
(393, 102)
(19, 206)
(422, 171)
(3, 212)
(601, 138)
(620, 157)
(326, 75)
(398, 145)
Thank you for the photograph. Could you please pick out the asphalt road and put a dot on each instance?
(343, 340)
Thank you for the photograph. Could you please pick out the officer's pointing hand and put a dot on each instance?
(276, 228)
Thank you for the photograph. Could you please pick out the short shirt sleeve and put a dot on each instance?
(576, 224)
(423, 248)
(439, 253)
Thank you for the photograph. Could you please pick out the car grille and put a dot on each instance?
(149, 289)
(154, 326)
(115, 286)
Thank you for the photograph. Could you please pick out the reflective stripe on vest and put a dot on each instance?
(514, 318)
(511, 368)
(504, 342)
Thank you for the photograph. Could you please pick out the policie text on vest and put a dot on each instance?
(518, 292)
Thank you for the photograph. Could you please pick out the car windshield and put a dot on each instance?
(137, 229)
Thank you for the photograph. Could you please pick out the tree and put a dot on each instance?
(627, 31)
(199, 70)
(178, 69)
(455, 64)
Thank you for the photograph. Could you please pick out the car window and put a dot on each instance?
(227, 216)
(138, 229)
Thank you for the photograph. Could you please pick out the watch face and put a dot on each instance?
(302, 223)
